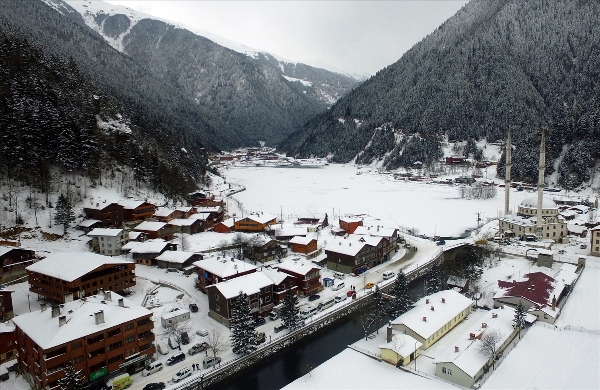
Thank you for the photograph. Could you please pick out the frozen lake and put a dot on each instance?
(338, 190)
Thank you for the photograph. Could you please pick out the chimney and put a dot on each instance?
(55, 311)
(69, 297)
(501, 306)
(62, 320)
(554, 302)
(107, 296)
(232, 259)
(494, 315)
(432, 308)
(101, 291)
(42, 306)
(471, 336)
(456, 349)
(389, 332)
(443, 300)
(427, 301)
(424, 319)
(121, 302)
(99, 317)
(483, 325)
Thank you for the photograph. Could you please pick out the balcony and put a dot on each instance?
(145, 327)
(96, 359)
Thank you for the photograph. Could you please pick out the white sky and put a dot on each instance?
(353, 36)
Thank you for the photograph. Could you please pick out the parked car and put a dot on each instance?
(210, 361)
(388, 275)
(313, 297)
(279, 328)
(173, 343)
(193, 308)
(197, 348)
(562, 252)
(202, 332)
(441, 242)
(119, 382)
(178, 357)
(407, 245)
(161, 347)
(258, 321)
(172, 270)
(338, 286)
(261, 337)
(155, 386)
(151, 368)
(182, 374)
(350, 293)
(339, 275)
(370, 285)
(341, 297)
(326, 303)
(273, 316)
(307, 311)
(185, 338)
(583, 246)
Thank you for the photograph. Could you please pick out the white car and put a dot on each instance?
(388, 275)
(182, 374)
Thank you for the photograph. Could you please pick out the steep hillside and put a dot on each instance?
(495, 65)
(71, 103)
(256, 94)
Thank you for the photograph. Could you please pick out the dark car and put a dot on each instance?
(260, 337)
(185, 339)
(441, 242)
(176, 358)
(193, 308)
(155, 386)
(259, 321)
(313, 297)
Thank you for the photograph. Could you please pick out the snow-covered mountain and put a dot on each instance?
(251, 92)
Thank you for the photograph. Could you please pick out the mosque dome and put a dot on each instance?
(533, 201)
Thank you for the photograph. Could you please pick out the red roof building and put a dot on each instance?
(537, 290)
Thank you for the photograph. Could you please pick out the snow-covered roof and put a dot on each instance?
(130, 245)
(46, 332)
(174, 313)
(228, 222)
(261, 218)
(456, 281)
(291, 231)
(7, 327)
(131, 204)
(275, 275)
(576, 229)
(537, 288)
(350, 220)
(518, 220)
(441, 315)
(175, 256)
(223, 267)
(213, 209)
(69, 266)
(298, 267)
(150, 246)
(247, 284)
(184, 209)
(568, 213)
(580, 208)
(104, 232)
(402, 344)
(468, 358)
(531, 202)
(301, 240)
(374, 231)
(164, 212)
(150, 226)
(368, 239)
(134, 235)
(566, 274)
(183, 221)
(88, 222)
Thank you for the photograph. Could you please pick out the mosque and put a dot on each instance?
(537, 217)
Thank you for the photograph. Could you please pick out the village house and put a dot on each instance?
(183, 212)
(107, 241)
(156, 230)
(176, 259)
(137, 236)
(351, 254)
(304, 245)
(87, 225)
(14, 260)
(282, 282)
(173, 318)
(137, 210)
(434, 316)
(204, 199)
(320, 220)
(462, 362)
(221, 296)
(390, 234)
(399, 348)
(6, 305)
(8, 342)
(595, 241)
(307, 274)
(146, 252)
(225, 226)
(264, 249)
(100, 334)
(111, 215)
(164, 215)
(455, 160)
(213, 214)
(187, 226)
(286, 233)
(350, 224)
(255, 223)
(63, 277)
(219, 269)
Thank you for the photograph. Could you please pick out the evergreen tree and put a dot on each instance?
(243, 336)
(519, 320)
(379, 307)
(63, 213)
(290, 310)
(433, 282)
(402, 302)
(73, 380)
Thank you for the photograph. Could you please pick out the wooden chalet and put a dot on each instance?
(146, 252)
(304, 245)
(219, 269)
(111, 214)
(137, 210)
(6, 305)
(350, 224)
(225, 226)
(307, 275)
(255, 223)
(282, 282)
(156, 230)
(350, 255)
(8, 345)
(14, 260)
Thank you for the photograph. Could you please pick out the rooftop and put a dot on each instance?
(131, 204)
(248, 284)
(536, 288)
(69, 266)
(301, 240)
(88, 222)
(150, 226)
(97, 232)
(175, 256)
(151, 246)
(297, 267)
(223, 267)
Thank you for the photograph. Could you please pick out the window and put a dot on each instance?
(217, 307)
(115, 359)
(129, 326)
(217, 297)
(76, 344)
(129, 339)
(114, 345)
(78, 359)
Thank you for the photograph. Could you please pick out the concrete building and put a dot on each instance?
(99, 335)
(434, 316)
(108, 242)
(595, 241)
(400, 348)
(524, 224)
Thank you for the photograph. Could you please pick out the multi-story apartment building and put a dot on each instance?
(108, 242)
(67, 276)
(99, 334)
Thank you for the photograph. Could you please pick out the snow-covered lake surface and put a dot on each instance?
(338, 190)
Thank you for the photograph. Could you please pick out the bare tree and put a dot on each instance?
(239, 241)
(490, 341)
(176, 330)
(216, 341)
(397, 346)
